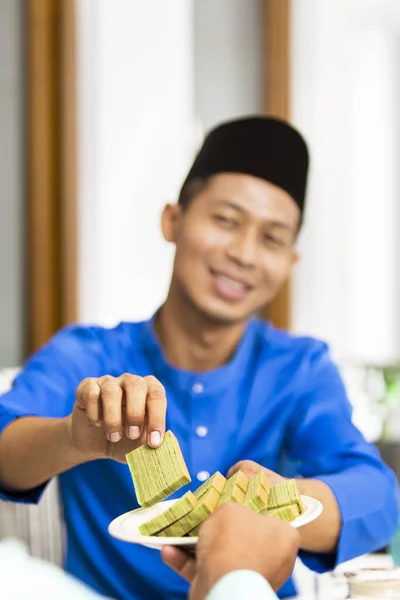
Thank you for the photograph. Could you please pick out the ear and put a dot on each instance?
(169, 221)
(294, 258)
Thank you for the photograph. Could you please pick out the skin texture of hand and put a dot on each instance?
(234, 538)
(114, 415)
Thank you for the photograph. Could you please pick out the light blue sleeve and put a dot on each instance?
(240, 585)
(23, 576)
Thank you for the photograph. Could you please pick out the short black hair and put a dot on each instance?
(191, 189)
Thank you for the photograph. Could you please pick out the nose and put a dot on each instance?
(243, 248)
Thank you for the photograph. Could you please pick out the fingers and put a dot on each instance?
(156, 409)
(248, 467)
(180, 562)
(88, 399)
(135, 396)
(251, 468)
(111, 396)
(125, 406)
(145, 398)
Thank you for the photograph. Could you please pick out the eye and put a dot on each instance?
(272, 240)
(224, 220)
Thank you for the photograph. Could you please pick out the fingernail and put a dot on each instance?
(114, 437)
(97, 424)
(133, 432)
(155, 438)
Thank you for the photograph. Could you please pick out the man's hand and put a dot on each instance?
(251, 468)
(114, 415)
(321, 535)
(233, 538)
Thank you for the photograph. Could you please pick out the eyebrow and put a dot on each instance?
(271, 222)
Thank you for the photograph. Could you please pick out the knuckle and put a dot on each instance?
(84, 384)
(154, 382)
(110, 387)
(132, 382)
(135, 379)
(136, 385)
(134, 415)
(157, 395)
(132, 377)
(92, 395)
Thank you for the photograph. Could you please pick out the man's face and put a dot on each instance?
(234, 245)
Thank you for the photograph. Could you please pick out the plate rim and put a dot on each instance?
(158, 542)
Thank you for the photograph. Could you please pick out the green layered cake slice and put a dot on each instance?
(206, 505)
(157, 472)
(256, 495)
(285, 494)
(217, 481)
(285, 513)
(233, 494)
(182, 507)
(261, 479)
(239, 479)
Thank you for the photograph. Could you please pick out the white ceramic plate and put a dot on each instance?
(126, 527)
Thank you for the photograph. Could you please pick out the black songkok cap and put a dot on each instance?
(264, 147)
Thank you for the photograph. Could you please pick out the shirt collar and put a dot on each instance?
(208, 382)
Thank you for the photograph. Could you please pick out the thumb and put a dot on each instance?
(248, 467)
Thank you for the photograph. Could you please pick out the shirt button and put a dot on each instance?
(201, 431)
(203, 475)
(197, 388)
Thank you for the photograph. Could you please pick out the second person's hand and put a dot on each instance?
(235, 538)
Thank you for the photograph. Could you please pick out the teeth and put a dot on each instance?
(236, 285)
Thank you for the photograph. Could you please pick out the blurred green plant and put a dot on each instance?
(390, 401)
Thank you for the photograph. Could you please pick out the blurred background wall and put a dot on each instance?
(12, 181)
(345, 98)
(136, 138)
(228, 59)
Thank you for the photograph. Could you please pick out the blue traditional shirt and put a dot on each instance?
(279, 401)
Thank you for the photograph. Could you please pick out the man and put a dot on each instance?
(240, 555)
(237, 388)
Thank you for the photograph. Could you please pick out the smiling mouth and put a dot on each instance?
(233, 283)
(230, 288)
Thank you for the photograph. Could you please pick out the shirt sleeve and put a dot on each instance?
(240, 585)
(325, 444)
(47, 384)
(37, 577)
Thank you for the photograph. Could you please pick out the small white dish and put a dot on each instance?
(126, 526)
